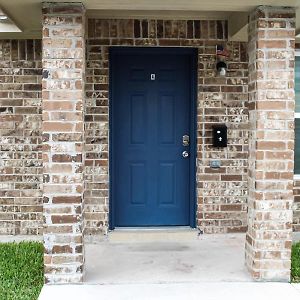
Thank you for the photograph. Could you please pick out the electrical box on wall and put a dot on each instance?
(219, 135)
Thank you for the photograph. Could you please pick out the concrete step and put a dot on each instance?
(172, 291)
(153, 234)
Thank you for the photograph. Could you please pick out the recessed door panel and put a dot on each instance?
(138, 173)
(138, 119)
(167, 184)
(166, 119)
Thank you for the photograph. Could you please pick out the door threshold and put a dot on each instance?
(153, 234)
(155, 228)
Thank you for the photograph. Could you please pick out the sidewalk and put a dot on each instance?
(173, 291)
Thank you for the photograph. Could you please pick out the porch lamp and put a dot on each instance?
(221, 68)
(221, 65)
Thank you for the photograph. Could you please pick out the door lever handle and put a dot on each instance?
(185, 154)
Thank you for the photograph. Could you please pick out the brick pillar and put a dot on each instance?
(63, 138)
(271, 142)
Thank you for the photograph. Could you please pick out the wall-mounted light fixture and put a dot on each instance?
(221, 68)
(3, 17)
(221, 65)
(7, 24)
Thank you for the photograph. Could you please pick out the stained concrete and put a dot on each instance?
(153, 258)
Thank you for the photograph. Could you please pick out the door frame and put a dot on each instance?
(192, 53)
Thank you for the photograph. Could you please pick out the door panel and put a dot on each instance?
(166, 178)
(138, 171)
(138, 116)
(151, 179)
(166, 119)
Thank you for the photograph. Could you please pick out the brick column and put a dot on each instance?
(63, 138)
(271, 142)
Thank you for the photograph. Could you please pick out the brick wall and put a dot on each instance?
(222, 193)
(20, 137)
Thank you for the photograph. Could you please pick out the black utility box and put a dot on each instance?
(219, 135)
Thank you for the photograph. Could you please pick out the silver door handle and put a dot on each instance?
(185, 154)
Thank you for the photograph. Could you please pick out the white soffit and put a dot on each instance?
(26, 14)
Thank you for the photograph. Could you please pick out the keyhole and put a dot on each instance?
(152, 76)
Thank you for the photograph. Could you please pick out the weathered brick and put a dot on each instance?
(63, 219)
(221, 193)
(67, 199)
(270, 144)
(20, 134)
(63, 121)
(214, 99)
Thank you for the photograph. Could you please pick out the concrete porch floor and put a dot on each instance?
(168, 266)
(166, 257)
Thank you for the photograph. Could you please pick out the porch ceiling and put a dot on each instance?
(26, 14)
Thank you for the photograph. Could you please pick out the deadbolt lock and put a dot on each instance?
(186, 140)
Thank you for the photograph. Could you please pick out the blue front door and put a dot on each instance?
(151, 112)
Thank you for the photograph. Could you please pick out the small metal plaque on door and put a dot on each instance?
(152, 76)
